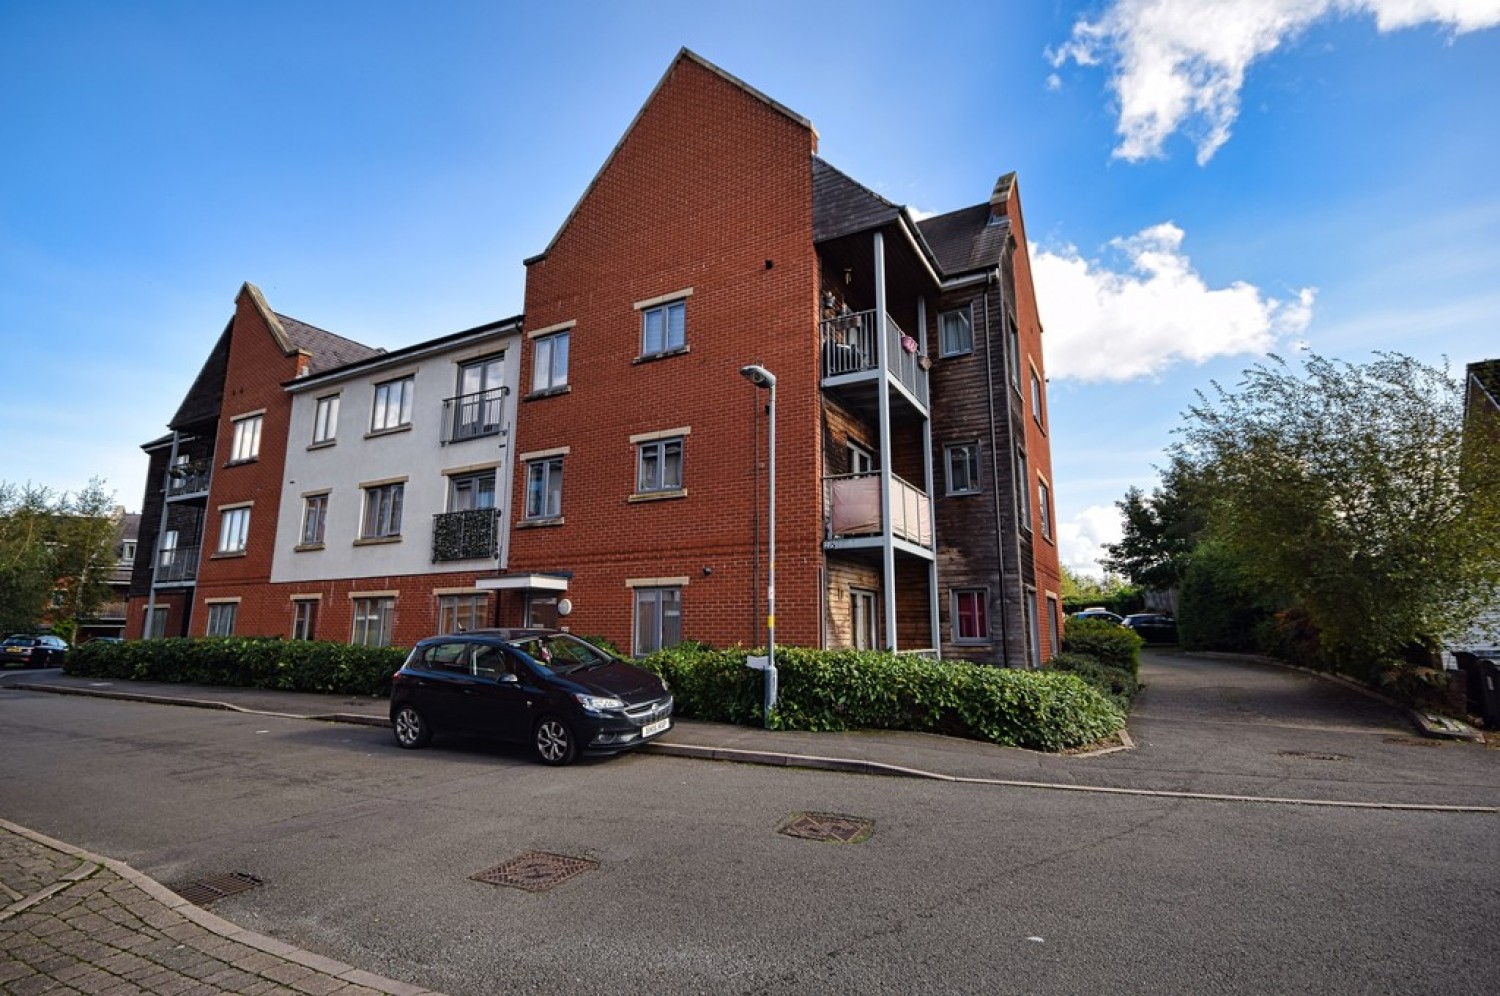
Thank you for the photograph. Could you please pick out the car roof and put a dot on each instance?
(509, 635)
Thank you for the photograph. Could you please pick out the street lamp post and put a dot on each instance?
(761, 377)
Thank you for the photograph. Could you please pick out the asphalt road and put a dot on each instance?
(366, 854)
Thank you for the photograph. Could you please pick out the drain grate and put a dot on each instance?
(535, 871)
(1307, 755)
(1413, 741)
(204, 891)
(827, 827)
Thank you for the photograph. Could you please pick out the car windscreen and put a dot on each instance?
(560, 652)
(18, 641)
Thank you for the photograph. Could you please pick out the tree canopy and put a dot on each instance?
(56, 552)
(1351, 489)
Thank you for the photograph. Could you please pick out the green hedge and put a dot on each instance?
(1118, 683)
(848, 690)
(289, 665)
(1106, 642)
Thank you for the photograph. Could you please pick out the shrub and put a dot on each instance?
(290, 665)
(1106, 642)
(1119, 684)
(848, 689)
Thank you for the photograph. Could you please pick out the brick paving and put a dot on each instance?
(71, 922)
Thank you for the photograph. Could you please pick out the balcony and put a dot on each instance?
(470, 416)
(176, 565)
(849, 343)
(852, 504)
(188, 480)
(468, 535)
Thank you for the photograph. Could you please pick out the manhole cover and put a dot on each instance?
(1307, 755)
(827, 827)
(203, 891)
(535, 871)
(1413, 741)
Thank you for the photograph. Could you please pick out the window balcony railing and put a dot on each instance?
(470, 416)
(188, 479)
(849, 347)
(177, 564)
(467, 535)
(853, 503)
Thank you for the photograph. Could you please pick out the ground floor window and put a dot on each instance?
(373, 621)
(1033, 633)
(221, 616)
(304, 619)
(866, 623)
(658, 619)
(541, 612)
(462, 613)
(156, 623)
(970, 618)
(1053, 640)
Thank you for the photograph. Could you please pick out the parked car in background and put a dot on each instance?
(44, 650)
(1099, 613)
(1153, 627)
(559, 694)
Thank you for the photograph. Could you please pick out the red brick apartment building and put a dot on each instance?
(913, 472)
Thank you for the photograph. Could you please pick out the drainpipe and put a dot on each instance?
(989, 374)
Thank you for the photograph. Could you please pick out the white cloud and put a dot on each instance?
(1104, 324)
(1180, 64)
(1081, 540)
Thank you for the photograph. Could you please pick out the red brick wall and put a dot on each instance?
(257, 368)
(710, 189)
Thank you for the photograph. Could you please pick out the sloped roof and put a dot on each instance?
(843, 205)
(206, 396)
(966, 239)
(326, 349)
(1487, 374)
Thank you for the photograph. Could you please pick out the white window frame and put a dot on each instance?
(1044, 506)
(665, 603)
(221, 618)
(946, 346)
(549, 470)
(234, 529)
(382, 510)
(325, 420)
(1023, 490)
(655, 455)
(982, 597)
(374, 620)
(864, 619)
(1036, 398)
(472, 483)
(672, 336)
(388, 413)
(245, 445)
(861, 460)
(166, 552)
(549, 362)
(304, 618)
(314, 519)
(968, 451)
(1054, 641)
(154, 627)
(462, 613)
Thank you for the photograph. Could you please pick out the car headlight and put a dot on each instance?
(598, 703)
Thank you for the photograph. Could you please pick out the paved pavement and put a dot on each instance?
(1211, 730)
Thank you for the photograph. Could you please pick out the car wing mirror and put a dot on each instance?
(507, 678)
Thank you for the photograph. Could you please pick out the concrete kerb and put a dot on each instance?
(203, 918)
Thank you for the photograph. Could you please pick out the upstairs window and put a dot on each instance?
(664, 328)
(234, 529)
(467, 492)
(1036, 397)
(1044, 507)
(393, 402)
(314, 518)
(955, 333)
(961, 462)
(659, 466)
(1023, 490)
(246, 444)
(326, 419)
(383, 511)
(544, 488)
(549, 363)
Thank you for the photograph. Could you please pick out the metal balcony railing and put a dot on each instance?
(178, 564)
(852, 508)
(849, 347)
(188, 479)
(470, 416)
(467, 535)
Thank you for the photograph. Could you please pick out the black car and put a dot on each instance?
(1153, 627)
(558, 693)
(33, 651)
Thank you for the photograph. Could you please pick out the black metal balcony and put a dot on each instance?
(468, 535)
(188, 480)
(849, 348)
(470, 416)
(176, 565)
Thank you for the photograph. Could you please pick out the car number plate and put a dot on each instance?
(652, 729)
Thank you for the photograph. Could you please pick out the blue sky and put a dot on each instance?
(1203, 183)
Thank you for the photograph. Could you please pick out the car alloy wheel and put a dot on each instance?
(553, 741)
(410, 728)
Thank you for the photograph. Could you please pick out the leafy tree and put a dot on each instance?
(55, 555)
(1349, 489)
(1081, 591)
(1160, 529)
